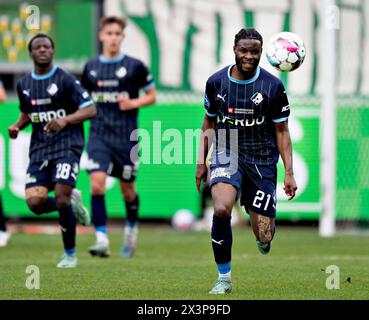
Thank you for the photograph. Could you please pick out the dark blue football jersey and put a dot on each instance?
(51, 96)
(252, 107)
(106, 79)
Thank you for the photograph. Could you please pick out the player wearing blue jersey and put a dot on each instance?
(4, 234)
(114, 81)
(252, 131)
(54, 102)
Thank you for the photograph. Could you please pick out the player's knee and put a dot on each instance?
(129, 191)
(62, 201)
(222, 210)
(97, 188)
(130, 195)
(35, 204)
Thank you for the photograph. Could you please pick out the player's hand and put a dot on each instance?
(55, 125)
(290, 186)
(13, 131)
(201, 174)
(126, 104)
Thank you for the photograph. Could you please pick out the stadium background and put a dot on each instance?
(183, 42)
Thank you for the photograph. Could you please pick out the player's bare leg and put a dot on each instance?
(68, 224)
(98, 180)
(37, 200)
(128, 190)
(224, 197)
(99, 215)
(129, 193)
(264, 228)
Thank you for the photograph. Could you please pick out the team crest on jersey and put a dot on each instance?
(121, 72)
(93, 73)
(52, 89)
(256, 98)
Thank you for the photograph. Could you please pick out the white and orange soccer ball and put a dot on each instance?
(286, 51)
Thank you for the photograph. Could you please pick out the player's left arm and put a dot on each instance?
(79, 97)
(142, 80)
(147, 99)
(285, 149)
(280, 113)
(79, 116)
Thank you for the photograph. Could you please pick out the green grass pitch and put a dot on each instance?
(179, 265)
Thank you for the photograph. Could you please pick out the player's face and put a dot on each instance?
(247, 54)
(111, 37)
(42, 52)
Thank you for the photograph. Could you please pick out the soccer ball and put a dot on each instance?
(285, 51)
(183, 219)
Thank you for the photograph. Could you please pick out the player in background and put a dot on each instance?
(114, 81)
(4, 234)
(54, 102)
(253, 110)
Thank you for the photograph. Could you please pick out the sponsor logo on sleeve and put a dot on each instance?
(285, 108)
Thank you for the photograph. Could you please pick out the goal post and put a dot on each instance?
(330, 16)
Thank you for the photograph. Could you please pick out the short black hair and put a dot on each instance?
(40, 35)
(248, 34)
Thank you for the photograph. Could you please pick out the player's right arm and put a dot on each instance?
(23, 121)
(207, 134)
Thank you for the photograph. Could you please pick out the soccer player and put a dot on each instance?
(114, 81)
(4, 234)
(251, 133)
(54, 102)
